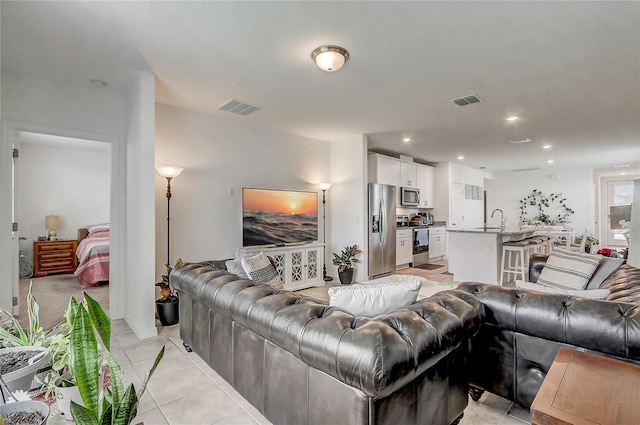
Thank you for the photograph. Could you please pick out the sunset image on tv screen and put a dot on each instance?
(272, 216)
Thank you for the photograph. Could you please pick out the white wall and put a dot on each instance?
(140, 236)
(70, 182)
(347, 200)
(219, 155)
(575, 184)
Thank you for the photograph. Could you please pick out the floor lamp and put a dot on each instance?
(324, 187)
(168, 173)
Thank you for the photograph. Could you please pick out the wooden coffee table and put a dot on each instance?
(584, 388)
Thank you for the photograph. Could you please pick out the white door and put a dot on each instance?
(457, 199)
(619, 196)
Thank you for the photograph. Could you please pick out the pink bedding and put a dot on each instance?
(93, 258)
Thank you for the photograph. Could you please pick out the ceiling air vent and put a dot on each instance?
(467, 100)
(237, 107)
(526, 169)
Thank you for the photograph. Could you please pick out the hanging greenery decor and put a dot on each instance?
(542, 205)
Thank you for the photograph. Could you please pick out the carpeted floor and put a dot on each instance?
(53, 293)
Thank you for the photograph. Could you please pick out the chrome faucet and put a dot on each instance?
(502, 219)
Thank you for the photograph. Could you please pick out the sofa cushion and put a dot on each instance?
(568, 269)
(607, 266)
(595, 294)
(260, 269)
(235, 266)
(624, 285)
(375, 299)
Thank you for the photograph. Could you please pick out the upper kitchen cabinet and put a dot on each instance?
(408, 176)
(425, 180)
(383, 169)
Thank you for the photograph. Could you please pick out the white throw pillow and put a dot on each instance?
(375, 299)
(260, 269)
(235, 267)
(595, 294)
(568, 269)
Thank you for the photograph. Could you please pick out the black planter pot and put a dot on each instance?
(168, 311)
(346, 276)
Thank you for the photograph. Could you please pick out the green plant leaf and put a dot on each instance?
(84, 359)
(127, 409)
(107, 412)
(159, 357)
(99, 320)
(117, 389)
(82, 415)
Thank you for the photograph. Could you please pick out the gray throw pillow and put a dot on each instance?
(607, 266)
(260, 269)
(235, 267)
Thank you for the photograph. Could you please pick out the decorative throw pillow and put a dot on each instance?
(595, 294)
(376, 299)
(235, 267)
(568, 269)
(260, 269)
(607, 266)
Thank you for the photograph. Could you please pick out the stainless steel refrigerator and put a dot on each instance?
(382, 229)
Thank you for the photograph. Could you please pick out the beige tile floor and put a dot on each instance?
(185, 390)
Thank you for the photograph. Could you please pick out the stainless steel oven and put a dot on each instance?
(420, 246)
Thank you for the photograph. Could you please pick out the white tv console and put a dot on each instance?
(299, 266)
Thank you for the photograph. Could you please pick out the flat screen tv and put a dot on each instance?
(273, 216)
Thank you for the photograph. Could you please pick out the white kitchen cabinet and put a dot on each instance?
(408, 176)
(383, 169)
(299, 266)
(425, 179)
(404, 247)
(436, 242)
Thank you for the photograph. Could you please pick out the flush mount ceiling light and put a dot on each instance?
(330, 58)
(406, 139)
(546, 147)
(461, 157)
(513, 118)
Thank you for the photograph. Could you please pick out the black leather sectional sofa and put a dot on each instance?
(299, 361)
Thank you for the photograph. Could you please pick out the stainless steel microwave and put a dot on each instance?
(409, 196)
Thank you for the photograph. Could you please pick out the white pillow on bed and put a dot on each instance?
(97, 227)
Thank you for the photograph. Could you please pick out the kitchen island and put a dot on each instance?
(475, 254)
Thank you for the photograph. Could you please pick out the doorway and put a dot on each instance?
(10, 211)
(66, 181)
(618, 207)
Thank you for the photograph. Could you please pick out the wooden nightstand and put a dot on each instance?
(54, 257)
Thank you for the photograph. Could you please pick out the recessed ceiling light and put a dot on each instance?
(513, 118)
(550, 161)
(406, 139)
(546, 147)
(460, 157)
(620, 165)
(99, 84)
(623, 173)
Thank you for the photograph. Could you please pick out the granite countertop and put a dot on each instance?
(493, 230)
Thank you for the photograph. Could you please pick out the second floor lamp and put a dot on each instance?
(324, 187)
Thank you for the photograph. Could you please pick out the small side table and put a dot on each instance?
(54, 257)
(584, 388)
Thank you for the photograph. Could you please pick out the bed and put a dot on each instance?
(93, 255)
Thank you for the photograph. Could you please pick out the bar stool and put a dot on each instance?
(514, 255)
(537, 244)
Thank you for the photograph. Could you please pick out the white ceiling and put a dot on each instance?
(570, 70)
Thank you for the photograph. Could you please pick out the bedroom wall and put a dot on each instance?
(576, 184)
(220, 155)
(71, 182)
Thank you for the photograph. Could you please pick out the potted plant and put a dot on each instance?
(167, 306)
(345, 261)
(589, 241)
(97, 374)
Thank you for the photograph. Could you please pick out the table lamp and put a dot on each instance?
(51, 222)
